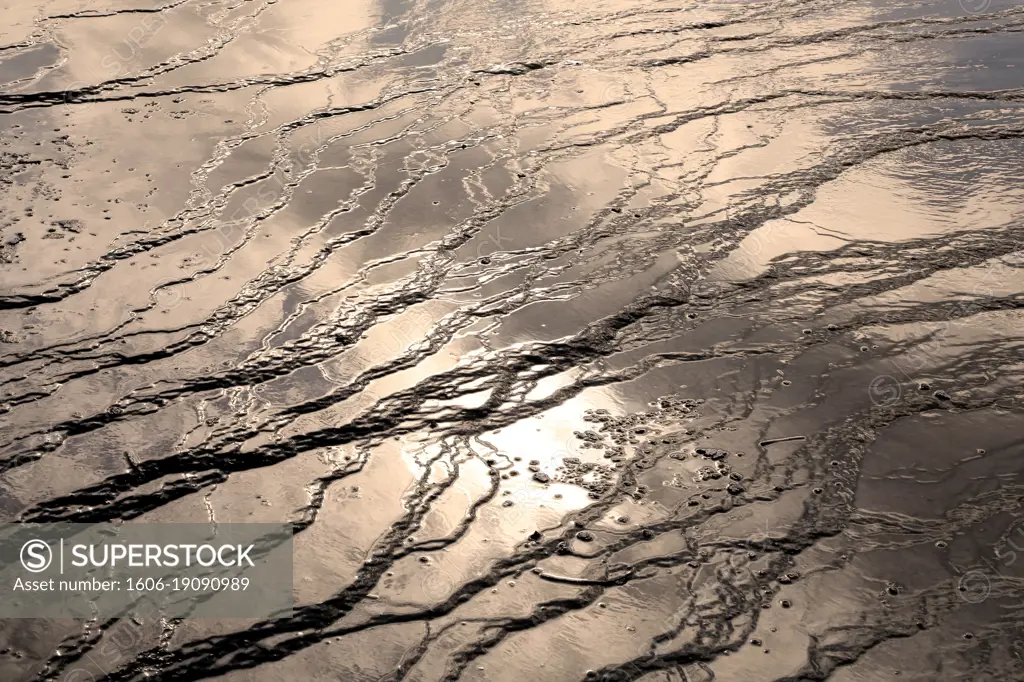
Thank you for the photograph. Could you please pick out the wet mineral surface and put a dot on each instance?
(619, 340)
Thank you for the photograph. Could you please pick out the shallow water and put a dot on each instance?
(615, 340)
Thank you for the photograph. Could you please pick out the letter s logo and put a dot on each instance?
(36, 556)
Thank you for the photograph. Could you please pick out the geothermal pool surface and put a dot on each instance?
(610, 340)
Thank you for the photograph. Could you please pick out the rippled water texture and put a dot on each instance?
(620, 339)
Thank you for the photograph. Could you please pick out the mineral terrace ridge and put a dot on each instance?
(617, 340)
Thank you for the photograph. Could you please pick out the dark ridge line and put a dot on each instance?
(161, 68)
(702, 54)
(79, 96)
(508, 566)
(94, 14)
(261, 655)
(390, 424)
(826, 528)
(249, 375)
(108, 260)
(697, 26)
(100, 500)
(542, 613)
(118, 359)
(963, 309)
(825, 36)
(318, 616)
(822, 655)
(221, 315)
